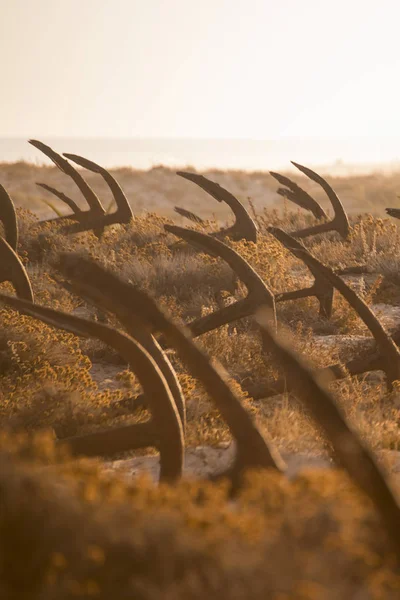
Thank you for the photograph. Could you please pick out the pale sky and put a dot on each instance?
(200, 68)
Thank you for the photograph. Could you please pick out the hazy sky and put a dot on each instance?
(200, 68)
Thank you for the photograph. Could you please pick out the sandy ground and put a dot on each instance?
(203, 461)
(160, 189)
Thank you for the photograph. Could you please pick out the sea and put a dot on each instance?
(336, 156)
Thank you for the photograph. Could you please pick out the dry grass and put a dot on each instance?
(68, 530)
(188, 284)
